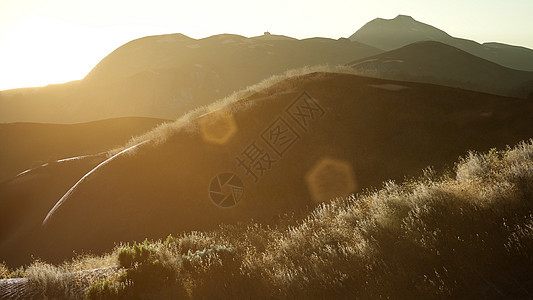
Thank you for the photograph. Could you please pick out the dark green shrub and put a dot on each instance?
(145, 273)
(138, 253)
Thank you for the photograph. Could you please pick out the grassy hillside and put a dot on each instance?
(468, 234)
(373, 129)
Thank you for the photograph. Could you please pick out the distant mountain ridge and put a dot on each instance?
(165, 76)
(404, 30)
(168, 75)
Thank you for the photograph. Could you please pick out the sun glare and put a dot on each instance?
(54, 41)
(47, 51)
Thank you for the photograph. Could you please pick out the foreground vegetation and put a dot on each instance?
(463, 235)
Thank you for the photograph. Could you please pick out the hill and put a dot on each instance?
(28, 145)
(404, 30)
(422, 239)
(321, 134)
(438, 63)
(168, 75)
(26, 198)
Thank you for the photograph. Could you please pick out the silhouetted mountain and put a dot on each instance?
(400, 31)
(404, 30)
(272, 37)
(345, 133)
(438, 63)
(166, 76)
(28, 145)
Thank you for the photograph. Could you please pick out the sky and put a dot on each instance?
(53, 41)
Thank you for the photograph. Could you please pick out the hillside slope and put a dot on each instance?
(414, 240)
(438, 63)
(26, 199)
(27, 145)
(273, 152)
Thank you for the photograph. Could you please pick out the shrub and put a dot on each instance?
(146, 271)
(138, 254)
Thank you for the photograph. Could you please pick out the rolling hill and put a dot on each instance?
(286, 148)
(24, 200)
(28, 145)
(404, 30)
(439, 63)
(168, 75)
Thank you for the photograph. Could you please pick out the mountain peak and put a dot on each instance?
(404, 17)
(388, 34)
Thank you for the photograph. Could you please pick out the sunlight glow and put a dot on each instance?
(40, 58)
(54, 41)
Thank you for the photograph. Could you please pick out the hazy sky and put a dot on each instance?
(52, 41)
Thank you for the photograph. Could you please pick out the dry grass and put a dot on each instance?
(51, 281)
(7, 273)
(68, 280)
(162, 132)
(462, 235)
(4, 271)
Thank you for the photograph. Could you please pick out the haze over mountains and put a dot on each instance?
(166, 76)
(177, 73)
